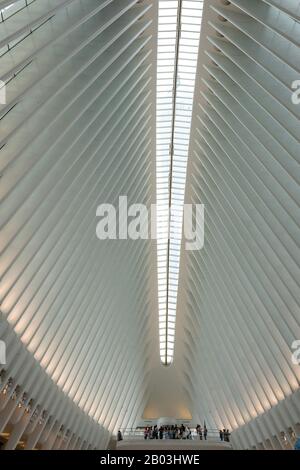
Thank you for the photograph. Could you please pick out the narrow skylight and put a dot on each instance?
(179, 24)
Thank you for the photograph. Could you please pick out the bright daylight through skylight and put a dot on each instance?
(179, 25)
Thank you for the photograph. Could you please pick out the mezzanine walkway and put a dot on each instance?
(172, 444)
(133, 439)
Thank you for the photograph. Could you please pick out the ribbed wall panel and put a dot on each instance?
(240, 293)
(77, 130)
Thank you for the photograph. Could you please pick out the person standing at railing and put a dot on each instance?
(155, 432)
(205, 432)
(226, 435)
(120, 437)
(221, 435)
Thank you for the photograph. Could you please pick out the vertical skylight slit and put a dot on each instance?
(179, 24)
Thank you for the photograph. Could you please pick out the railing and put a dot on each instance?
(138, 433)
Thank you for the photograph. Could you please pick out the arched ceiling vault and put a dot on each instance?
(85, 322)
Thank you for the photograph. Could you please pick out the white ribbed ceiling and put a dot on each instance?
(79, 316)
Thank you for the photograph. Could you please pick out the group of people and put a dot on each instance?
(201, 432)
(178, 432)
(174, 432)
(224, 435)
(168, 432)
(181, 432)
